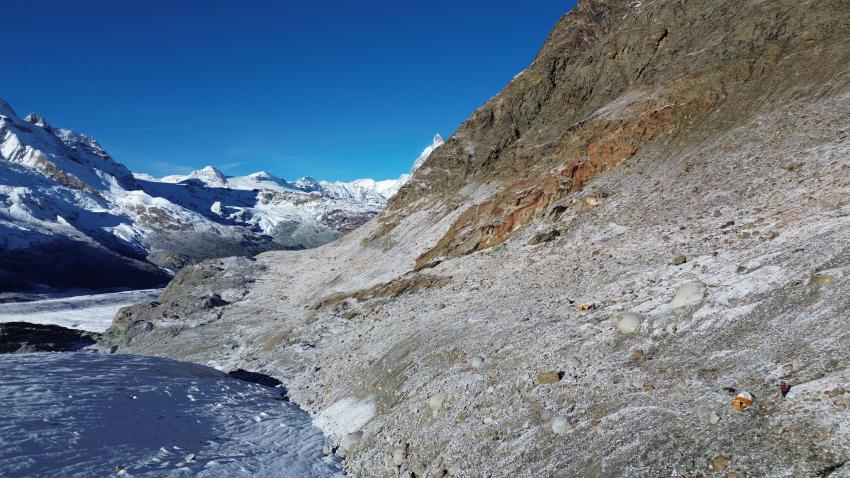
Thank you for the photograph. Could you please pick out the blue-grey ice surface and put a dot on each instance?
(91, 415)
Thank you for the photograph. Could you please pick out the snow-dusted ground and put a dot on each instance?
(86, 414)
(93, 313)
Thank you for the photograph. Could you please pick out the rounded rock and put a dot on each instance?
(560, 425)
(688, 294)
(476, 361)
(399, 456)
(628, 323)
(350, 441)
(436, 401)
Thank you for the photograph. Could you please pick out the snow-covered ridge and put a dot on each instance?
(59, 187)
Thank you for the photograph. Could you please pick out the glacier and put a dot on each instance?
(81, 414)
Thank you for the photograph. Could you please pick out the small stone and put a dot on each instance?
(350, 441)
(476, 361)
(679, 260)
(628, 323)
(545, 378)
(419, 469)
(328, 449)
(672, 328)
(436, 401)
(399, 456)
(560, 425)
(638, 383)
(720, 462)
(454, 470)
(189, 457)
(713, 418)
(587, 331)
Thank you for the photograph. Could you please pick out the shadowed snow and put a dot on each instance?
(85, 414)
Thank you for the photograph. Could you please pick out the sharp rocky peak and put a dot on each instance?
(38, 120)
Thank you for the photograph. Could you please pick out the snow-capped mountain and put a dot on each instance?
(436, 143)
(72, 217)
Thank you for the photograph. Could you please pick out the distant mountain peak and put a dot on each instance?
(261, 176)
(210, 170)
(209, 175)
(435, 143)
(308, 184)
(38, 120)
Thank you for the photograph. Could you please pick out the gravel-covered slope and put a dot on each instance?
(598, 322)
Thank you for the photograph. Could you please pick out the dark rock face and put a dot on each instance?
(22, 337)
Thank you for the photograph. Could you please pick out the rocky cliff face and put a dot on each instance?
(631, 262)
(612, 78)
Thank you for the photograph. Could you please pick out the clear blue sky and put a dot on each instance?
(330, 89)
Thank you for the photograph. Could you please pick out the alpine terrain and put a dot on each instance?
(73, 218)
(632, 261)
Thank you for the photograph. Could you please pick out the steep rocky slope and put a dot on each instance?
(72, 217)
(651, 219)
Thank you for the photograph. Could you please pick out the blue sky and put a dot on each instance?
(329, 89)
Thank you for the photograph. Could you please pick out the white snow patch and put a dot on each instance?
(347, 415)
